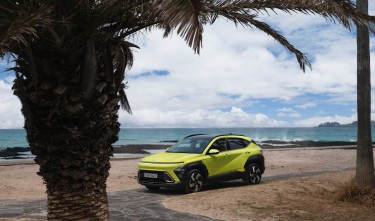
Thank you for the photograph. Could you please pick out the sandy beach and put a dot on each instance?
(299, 184)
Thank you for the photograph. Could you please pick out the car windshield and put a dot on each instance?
(190, 145)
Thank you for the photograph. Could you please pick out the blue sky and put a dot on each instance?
(242, 78)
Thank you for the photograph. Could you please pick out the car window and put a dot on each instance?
(237, 143)
(200, 146)
(220, 145)
(189, 145)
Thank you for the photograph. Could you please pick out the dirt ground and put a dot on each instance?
(299, 184)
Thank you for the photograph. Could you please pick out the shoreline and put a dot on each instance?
(14, 156)
(136, 156)
(24, 153)
(19, 153)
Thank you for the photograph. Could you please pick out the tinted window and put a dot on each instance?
(190, 145)
(220, 145)
(237, 143)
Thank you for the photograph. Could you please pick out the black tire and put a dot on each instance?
(253, 174)
(193, 181)
(152, 188)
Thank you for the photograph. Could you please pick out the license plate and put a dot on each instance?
(150, 175)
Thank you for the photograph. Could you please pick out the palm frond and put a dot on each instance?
(244, 12)
(301, 57)
(120, 63)
(89, 70)
(342, 11)
(124, 59)
(126, 47)
(250, 20)
(124, 99)
(21, 21)
(185, 16)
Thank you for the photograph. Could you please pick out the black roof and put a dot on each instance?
(211, 136)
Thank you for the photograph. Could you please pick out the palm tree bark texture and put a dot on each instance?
(69, 130)
(365, 160)
(70, 59)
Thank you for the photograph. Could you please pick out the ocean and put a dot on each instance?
(17, 137)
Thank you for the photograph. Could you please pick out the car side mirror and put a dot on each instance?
(213, 152)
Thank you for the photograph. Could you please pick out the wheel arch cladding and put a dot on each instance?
(197, 165)
(259, 159)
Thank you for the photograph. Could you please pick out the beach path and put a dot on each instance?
(129, 201)
(130, 205)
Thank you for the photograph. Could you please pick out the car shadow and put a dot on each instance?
(239, 183)
(206, 187)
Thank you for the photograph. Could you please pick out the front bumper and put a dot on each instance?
(177, 185)
(162, 179)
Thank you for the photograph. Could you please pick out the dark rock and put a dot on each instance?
(13, 151)
(138, 148)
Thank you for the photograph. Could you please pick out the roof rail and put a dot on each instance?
(232, 134)
(192, 135)
(214, 135)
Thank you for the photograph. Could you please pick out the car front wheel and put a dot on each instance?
(193, 181)
(253, 174)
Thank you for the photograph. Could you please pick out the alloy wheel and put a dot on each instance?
(253, 174)
(194, 181)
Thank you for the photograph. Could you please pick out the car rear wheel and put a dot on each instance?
(253, 174)
(193, 181)
(153, 188)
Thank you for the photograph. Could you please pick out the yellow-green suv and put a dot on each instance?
(202, 158)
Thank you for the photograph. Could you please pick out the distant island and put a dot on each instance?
(336, 124)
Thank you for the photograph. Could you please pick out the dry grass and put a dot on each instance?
(294, 199)
(353, 193)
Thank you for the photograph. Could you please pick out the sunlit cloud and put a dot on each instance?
(242, 78)
(10, 108)
(306, 105)
(236, 117)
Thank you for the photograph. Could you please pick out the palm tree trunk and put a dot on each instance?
(70, 133)
(365, 162)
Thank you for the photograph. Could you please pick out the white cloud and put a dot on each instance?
(241, 62)
(10, 106)
(306, 105)
(246, 64)
(236, 68)
(236, 117)
(284, 109)
(287, 112)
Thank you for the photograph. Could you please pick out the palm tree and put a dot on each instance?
(365, 160)
(70, 60)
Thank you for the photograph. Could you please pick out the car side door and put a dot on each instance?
(239, 153)
(218, 163)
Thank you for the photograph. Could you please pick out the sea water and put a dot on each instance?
(17, 137)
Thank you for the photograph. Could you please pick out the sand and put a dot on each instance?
(299, 183)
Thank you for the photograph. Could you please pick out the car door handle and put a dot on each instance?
(247, 152)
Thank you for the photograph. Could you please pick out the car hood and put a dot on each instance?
(169, 158)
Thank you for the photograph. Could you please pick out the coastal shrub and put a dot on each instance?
(353, 193)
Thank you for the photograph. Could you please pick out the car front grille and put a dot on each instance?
(162, 177)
